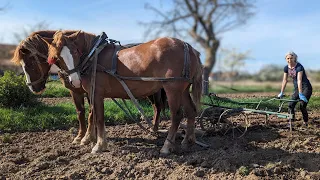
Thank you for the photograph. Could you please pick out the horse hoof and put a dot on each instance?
(95, 151)
(164, 152)
(76, 140)
(98, 148)
(188, 142)
(167, 148)
(85, 141)
(186, 146)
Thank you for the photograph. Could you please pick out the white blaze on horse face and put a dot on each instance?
(27, 75)
(68, 59)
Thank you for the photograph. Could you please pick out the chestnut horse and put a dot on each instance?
(31, 54)
(167, 63)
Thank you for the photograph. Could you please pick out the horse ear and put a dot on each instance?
(47, 40)
(74, 36)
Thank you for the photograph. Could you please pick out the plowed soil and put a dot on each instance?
(264, 152)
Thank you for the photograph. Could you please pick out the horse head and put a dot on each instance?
(65, 51)
(31, 55)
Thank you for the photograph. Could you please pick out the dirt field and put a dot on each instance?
(265, 152)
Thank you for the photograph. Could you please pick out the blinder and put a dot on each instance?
(42, 76)
(86, 58)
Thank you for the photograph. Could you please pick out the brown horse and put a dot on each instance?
(165, 60)
(31, 54)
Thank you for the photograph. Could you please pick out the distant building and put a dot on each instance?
(6, 53)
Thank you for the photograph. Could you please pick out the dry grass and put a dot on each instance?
(274, 84)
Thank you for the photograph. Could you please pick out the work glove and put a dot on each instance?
(303, 97)
(280, 95)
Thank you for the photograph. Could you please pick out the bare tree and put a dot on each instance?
(204, 21)
(234, 60)
(26, 31)
(4, 7)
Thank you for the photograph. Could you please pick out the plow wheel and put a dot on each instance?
(209, 118)
(233, 121)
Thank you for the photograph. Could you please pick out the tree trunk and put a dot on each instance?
(208, 65)
(205, 82)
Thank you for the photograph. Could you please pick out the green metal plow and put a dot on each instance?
(225, 115)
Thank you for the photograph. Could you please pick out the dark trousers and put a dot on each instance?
(307, 91)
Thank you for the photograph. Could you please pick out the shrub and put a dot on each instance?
(270, 73)
(55, 89)
(14, 92)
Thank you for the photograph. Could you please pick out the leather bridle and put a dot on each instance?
(42, 78)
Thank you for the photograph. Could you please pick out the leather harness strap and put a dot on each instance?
(85, 63)
(94, 61)
(36, 54)
(115, 59)
(113, 72)
(185, 71)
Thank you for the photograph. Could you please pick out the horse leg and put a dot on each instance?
(90, 135)
(78, 100)
(190, 111)
(174, 100)
(157, 106)
(99, 114)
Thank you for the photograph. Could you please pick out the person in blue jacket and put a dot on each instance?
(301, 83)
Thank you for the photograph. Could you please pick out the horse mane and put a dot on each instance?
(17, 55)
(47, 33)
(32, 43)
(57, 38)
(88, 40)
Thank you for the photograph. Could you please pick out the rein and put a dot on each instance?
(133, 99)
(99, 46)
(84, 64)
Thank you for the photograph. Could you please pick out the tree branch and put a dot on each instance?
(5, 7)
(199, 39)
(203, 20)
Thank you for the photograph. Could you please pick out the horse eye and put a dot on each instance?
(75, 52)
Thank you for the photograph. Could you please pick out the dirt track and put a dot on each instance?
(265, 152)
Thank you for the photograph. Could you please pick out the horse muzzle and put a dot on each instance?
(76, 83)
(74, 80)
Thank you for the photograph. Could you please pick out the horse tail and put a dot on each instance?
(163, 100)
(197, 80)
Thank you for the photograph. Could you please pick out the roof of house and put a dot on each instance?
(6, 53)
